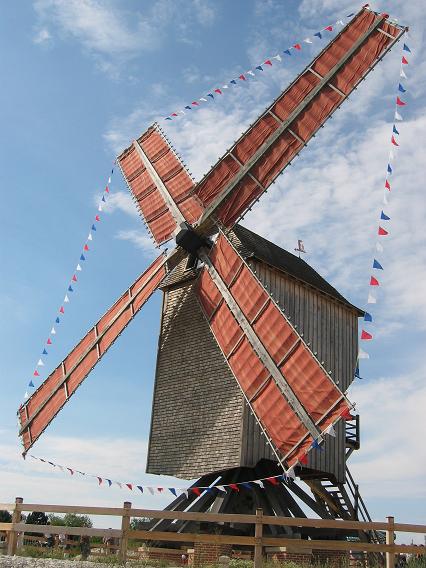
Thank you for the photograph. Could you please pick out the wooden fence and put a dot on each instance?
(258, 542)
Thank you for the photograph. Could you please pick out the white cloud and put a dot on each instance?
(120, 201)
(140, 239)
(42, 36)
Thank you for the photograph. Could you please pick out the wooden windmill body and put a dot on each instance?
(256, 350)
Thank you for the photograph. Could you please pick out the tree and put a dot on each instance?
(56, 520)
(139, 523)
(5, 517)
(73, 520)
(37, 518)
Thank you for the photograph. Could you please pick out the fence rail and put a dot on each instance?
(258, 541)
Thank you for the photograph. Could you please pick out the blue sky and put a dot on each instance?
(81, 79)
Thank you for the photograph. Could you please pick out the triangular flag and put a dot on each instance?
(195, 490)
(188, 107)
(273, 480)
(368, 317)
(103, 198)
(49, 341)
(382, 232)
(394, 142)
(346, 414)
(401, 88)
(291, 473)
(385, 199)
(218, 91)
(384, 216)
(40, 363)
(109, 482)
(211, 95)
(330, 431)
(387, 185)
(99, 480)
(376, 264)
(259, 67)
(100, 207)
(195, 103)
(246, 484)
(365, 336)
(406, 48)
(203, 99)
(151, 490)
(26, 395)
(329, 28)
(394, 130)
(86, 247)
(61, 309)
(74, 278)
(97, 218)
(297, 46)
(130, 486)
(398, 116)
(51, 331)
(363, 354)
(350, 15)
(287, 52)
(57, 320)
(70, 470)
(160, 489)
(250, 73)
(82, 257)
(89, 237)
(167, 118)
(242, 78)
(140, 488)
(318, 34)
(174, 114)
(390, 169)
(404, 61)
(399, 102)
(374, 281)
(78, 268)
(173, 491)
(340, 22)
(31, 384)
(66, 299)
(234, 486)
(233, 82)
(402, 74)
(316, 445)
(307, 40)
(277, 57)
(259, 482)
(70, 288)
(268, 62)
(109, 179)
(303, 459)
(371, 299)
(118, 483)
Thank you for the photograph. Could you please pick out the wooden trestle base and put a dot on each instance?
(283, 499)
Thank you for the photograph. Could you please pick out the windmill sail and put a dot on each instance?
(289, 391)
(279, 134)
(160, 184)
(40, 409)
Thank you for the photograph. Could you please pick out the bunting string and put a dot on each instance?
(268, 63)
(286, 476)
(38, 372)
(383, 221)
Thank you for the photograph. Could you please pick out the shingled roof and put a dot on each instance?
(255, 246)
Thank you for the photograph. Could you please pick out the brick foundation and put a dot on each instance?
(171, 555)
(335, 558)
(207, 553)
(289, 554)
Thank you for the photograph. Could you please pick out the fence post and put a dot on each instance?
(125, 525)
(258, 533)
(390, 539)
(12, 537)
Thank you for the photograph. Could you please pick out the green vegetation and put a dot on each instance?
(5, 517)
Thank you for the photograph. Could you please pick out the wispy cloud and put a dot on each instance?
(140, 239)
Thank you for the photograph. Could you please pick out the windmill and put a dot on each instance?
(256, 350)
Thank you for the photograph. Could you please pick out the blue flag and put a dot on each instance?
(376, 264)
(350, 15)
(173, 490)
(246, 484)
(188, 107)
(394, 130)
(167, 118)
(57, 320)
(44, 352)
(140, 488)
(384, 217)
(368, 317)
(401, 88)
(234, 82)
(82, 257)
(259, 67)
(103, 198)
(31, 384)
(406, 48)
(389, 169)
(318, 34)
(70, 288)
(93, 228)
(287, 51)
(211, 95)
(316, 445)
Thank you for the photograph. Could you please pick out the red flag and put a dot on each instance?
(297, 46)
(404, 61)
(70, 470)
(195, 103)
(346, 414)
(218, 91)
(107, 189)
(86, 247)
(329, 28)
(374, 281)
(394, 142)
(303, 459)
(273, 480)
(61, 309)
(196, 491)
(382, 232)
(130, 486)
(242, 78)
(399, 102)
(49, 341)
(160, 489)
(173, 114)
(74, 278)
(234, 486)
(267, 62)
(387, 185)
(100, 480)
(36, 373)
(97, 218)
(365, 335)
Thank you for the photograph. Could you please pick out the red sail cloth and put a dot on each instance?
(86, 354)
(283, 150)
(314, 389)
(174, 176)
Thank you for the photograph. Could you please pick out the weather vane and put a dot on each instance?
(300, 247)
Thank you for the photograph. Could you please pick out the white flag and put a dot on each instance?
(402, 74)
(221, 488)
(307, 40)
(371, 299)
(330, 431)
(379, 247)
(203, 99)
(100, 208)
(340, 22)
(385, 198)
(260, 483)
(78, 267)
(26, 395)
(40, 363)
(151, 490)
(277, 57)
(225, 87)
(398, 116)
(109, 179)
(90, 238)
(290, 473)
(391, 156)
(66, 299)
(53, 331)
(363, 354)
(250, 73)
